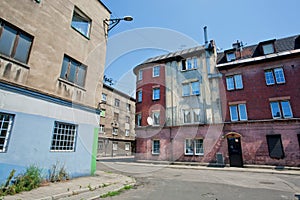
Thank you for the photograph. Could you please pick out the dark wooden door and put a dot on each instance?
(235, 152)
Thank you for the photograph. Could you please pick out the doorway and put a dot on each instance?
(235, 150)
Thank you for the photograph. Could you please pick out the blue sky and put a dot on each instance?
(161, 26)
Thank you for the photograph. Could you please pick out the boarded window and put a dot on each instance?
(275, 146)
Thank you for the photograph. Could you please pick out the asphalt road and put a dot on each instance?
(161, 182)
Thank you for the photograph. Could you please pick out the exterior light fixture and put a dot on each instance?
(111, 23)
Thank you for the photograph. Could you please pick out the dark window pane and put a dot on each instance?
(7, 40)
(23, 48)
(275, 146)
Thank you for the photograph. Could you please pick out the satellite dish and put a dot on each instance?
(150, 121)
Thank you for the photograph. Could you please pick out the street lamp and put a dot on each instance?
(110, 23)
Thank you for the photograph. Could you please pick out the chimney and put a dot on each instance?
(236, 45)
(205, 35)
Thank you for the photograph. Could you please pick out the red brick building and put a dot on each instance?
(237, 107)
(260, 95)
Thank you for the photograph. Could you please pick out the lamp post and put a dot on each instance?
(111, 23)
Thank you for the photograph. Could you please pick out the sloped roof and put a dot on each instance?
(281, 45)
(175, 54)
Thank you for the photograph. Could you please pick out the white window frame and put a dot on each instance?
(275, 75)
(117, 102)
(140, 75)
(104, 97)
(127, 146)
(281, 110)
(234, 82)
(128, 107)
(230, 56)
(191, 147)
(238, 108)
(156, 93)
(127, 132)
(65, 131)
(6, 123)
(189, 89)
(154, 114)
(155, 150)
(115, 131)
(156, 71)
(201, 150)
(101, 128)
(115, 146)
(185, 113)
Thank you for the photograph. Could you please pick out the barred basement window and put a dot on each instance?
(6, 121)
(64, 137)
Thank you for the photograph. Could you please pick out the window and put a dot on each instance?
(298, 135)
(104, 97)
(140, 76)
(116, 116)
(185, 90)
(277, 73)
(196, 113)
(102, 113)
(155, 147)
(187, 116)
(238, 112)
(115, 146)
(192, 88)
(189, 64)
(268, 48)
(281, 109)
(6, 122)
(117, 102)
(139, 120)
(193, 147)
(73, 71)
(140, 96)
(100, 145)
(156, 118)
(64, 137)
(126, 132)
(275, 146)
(128, 107)
(191, 115)
(127, 119)
(81, 22)
(234, 82)
(195, 88)
(101, 128)
(230, 56)
(115, 131)
(156, 93)
(127, 146)
(156, 71)
(199, 150)
(14, 43)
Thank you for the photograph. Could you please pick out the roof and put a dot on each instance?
(104, 6)
(118, 92)
(281, 45)
(175, 54)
